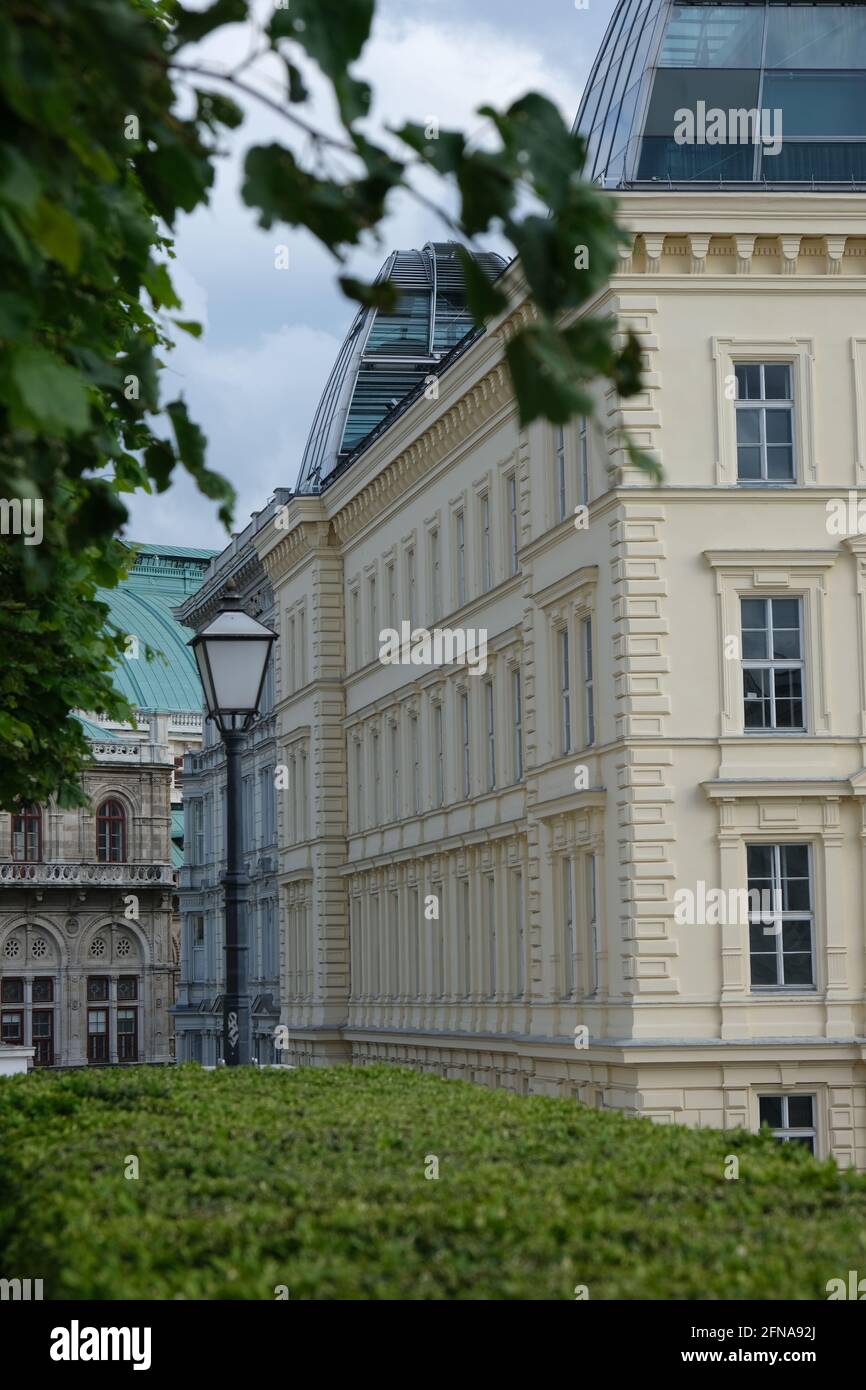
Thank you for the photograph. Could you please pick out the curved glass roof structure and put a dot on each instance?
(757, 94)
(160, 578)
(387, 356)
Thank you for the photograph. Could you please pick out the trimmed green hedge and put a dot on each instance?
(316, 1180)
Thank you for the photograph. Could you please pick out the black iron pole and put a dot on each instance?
(236, 1003)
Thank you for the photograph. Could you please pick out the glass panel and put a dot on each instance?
(789, 699)
(796, 936)
(748, 376)
(778, 426)
(777, 381)
(723, 36)
(817, 103)
(780, 462)
(825, 163)
(816, 36)
(800, 1112)
(764, 969)
(665, 159)
(12, 991)
(675, 90)
(795, 861)
(798, 969)
(759, 859)
(756, 696)
(748, 427)
(770, 1111)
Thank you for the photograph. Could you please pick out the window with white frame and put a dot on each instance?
(559, 472)
(439, 746)
(438, 951)
(410, 585)
(393, 944)
(569, 935)
(773, 666)
(391, 590)
(268, 799)
(355, 635)
(291, 655)
(435, 577)
(396, 809)
(781, 921)
(375, 948)
(791, 1118)
(415, 943)
(582, 461)
(373, 614)
(358, 752)
(513, 523)
(464, 939)
(519, 935)
(376, 769)
(491, 734)
(465, 746)
(302, 646)
(588, 683)
(765, 422)
(460, 555)
(415, 753)
(489, 890)
(564, 681)
(486, 558)
(591, 889)
(517, 716)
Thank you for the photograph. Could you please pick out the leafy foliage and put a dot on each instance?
(315, 1179)
(96, 163)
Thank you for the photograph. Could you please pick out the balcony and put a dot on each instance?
(65, 872)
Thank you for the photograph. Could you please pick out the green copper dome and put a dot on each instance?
(160, 578)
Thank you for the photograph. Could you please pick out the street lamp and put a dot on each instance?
(232, 654)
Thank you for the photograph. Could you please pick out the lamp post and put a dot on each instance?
(232, 654)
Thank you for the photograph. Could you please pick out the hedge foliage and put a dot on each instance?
(315, 1179)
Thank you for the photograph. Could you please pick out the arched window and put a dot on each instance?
(27, 835)
(111, 833)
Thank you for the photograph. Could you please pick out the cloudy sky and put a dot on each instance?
(271, 335)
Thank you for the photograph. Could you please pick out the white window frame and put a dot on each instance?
(517, 718)
(787, 1131)
(560, 487)
(799, 354)
(774, 931)
(773, 664)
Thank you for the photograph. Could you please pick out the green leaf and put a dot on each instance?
(52, 397)
(157, 282)
(382, 295)
(335, 213)
(544, 375)
(19, 183)
(56, 232)
(333, 32)
(17, 315)
(537, 139)
(297, 90)
(214, 110)
(193, 25)
(189, 326)
(485, 301)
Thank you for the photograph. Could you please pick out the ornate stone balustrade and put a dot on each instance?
(96, 874)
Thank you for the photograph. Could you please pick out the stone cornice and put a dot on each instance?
(771, 559)
(458, 423)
